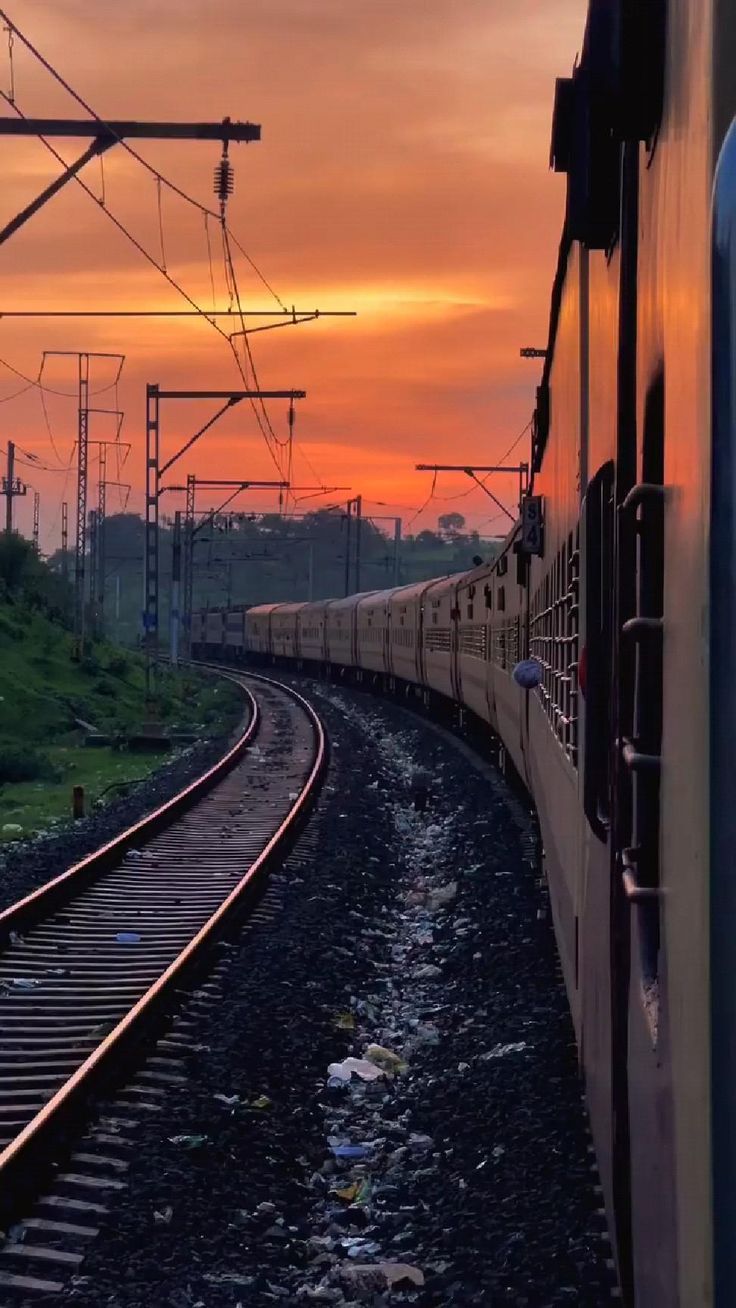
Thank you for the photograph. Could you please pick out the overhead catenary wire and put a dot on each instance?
(268, 433)
(162, 180)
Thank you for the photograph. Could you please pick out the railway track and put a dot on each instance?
(93, 963)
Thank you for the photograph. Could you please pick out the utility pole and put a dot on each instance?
(83, 358)
(358, 533)
(12, 488)
(190, 531)
(65, 540)
(175, 589)
(348, 522)
(99, 599)
(353, 508)
(36, 519)
(398, 524)
(93, 560)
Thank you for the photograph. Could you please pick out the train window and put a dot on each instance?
(470, 611)
(501, 599)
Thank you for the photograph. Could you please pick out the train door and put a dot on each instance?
(595, 692)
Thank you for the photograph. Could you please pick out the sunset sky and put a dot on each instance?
(402, 173)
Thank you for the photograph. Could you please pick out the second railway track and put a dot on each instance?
(90, 962)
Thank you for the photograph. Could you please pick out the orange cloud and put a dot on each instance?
(402, 172)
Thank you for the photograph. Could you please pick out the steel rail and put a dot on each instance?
(29, 1156)
(34, 907)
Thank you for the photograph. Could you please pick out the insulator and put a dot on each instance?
(224, 179)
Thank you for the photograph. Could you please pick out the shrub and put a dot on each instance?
(118, 665)
(19, 763)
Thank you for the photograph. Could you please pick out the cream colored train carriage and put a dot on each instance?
(626, 599)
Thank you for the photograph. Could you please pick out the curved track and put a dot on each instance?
(96, 957)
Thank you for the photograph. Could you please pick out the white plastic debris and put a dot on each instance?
(359, 1066)
(500, 1051)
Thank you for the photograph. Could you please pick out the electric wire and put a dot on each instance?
(269, 434)
(14, 30)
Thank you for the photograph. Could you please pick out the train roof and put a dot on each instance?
(350, 601)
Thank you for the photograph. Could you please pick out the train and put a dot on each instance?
(618, 582)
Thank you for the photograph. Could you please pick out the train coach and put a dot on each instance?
(618, 584)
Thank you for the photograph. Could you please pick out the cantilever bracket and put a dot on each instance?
(98, 146)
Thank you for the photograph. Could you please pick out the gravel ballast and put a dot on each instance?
(454, 1165)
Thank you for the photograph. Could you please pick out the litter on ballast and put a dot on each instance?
(189, 1141)
(390, 1062)
(163, 1216)
(134, 853)
(365, 1277)
(427, 972)
(22, 983)
(261, 1102)
(350, 1150)
(228, 1100)
(362, 1067)
(228, 1278)
(443, 895)
(500, 1051)
(128, 938)
(345, 1022)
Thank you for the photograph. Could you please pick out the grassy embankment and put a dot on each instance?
(44, 694)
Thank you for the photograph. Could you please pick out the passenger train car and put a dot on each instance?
(620, 582)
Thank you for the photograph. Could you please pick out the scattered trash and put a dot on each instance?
(500, 1051)
(261, 1102)
(367, 1071)
(420, 1141)
(348, 1193)
(189, 1141)
(395, 1273)
(134, 853)
(128, 938)
(21, 983)
(228, 1100)
(368, 1277)
(228, 1278)
(427, 972)
(12, 829)
(345, 1022)
(443, 895)
(350, 1150)
(389, 1062)
(164, 1215)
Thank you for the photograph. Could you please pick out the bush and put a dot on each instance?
(118, 665)
(19, 763)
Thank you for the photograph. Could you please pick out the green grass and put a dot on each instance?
(45, 694)
(35, 806)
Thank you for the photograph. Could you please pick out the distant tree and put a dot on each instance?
(24, 576)
(451, 525)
